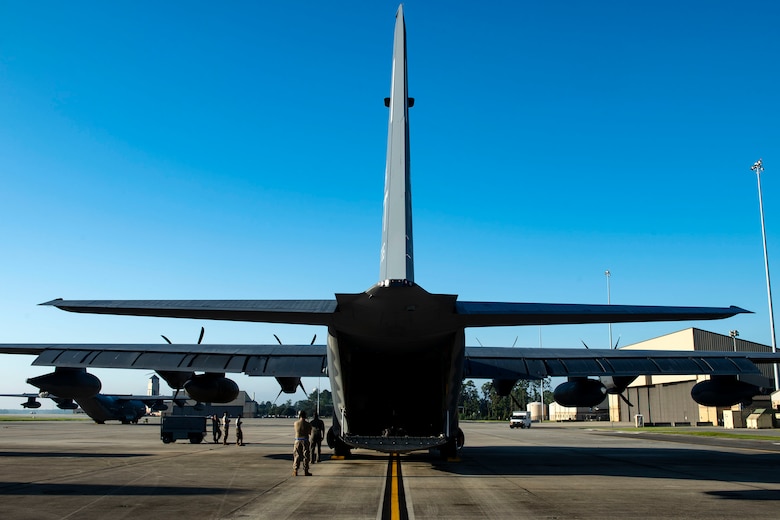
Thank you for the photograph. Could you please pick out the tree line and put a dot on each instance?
(288, 409)
(486, 404)
(473, 404)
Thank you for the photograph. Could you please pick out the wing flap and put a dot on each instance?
(535, 363)
(254, 360)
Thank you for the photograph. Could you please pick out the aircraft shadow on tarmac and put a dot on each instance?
(566, 461)
(48, 489)
(637, 462)
(70, 454)
(752, 494)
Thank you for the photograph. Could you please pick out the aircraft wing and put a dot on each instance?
(537, 363)
(299, 312)
(253, 360)
(142, 397)
(492, 314)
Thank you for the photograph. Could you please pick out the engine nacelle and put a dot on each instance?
(289, 384)
(68, 383)
(211, 388)
(31, 403)
(503, 387)
(65, 404)
(158, 406)
(175, 379)
(580, 391)
(724, 391)
(616, 385)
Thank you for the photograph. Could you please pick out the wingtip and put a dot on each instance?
(52, 302)
(740, 310)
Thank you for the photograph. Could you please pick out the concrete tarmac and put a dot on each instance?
(59, 470)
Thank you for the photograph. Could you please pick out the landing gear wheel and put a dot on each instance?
(460, 439)
(450, 450)
(340, 448)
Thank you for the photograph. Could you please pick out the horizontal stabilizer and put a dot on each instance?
(298, 312)
(491, 314)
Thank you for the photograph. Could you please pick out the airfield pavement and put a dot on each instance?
(81, 470)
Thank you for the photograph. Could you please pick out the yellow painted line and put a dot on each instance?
(395, 506)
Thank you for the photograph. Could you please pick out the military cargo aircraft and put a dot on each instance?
(398, 337)
(100, 407)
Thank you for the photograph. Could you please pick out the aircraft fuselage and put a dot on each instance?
(395, 361)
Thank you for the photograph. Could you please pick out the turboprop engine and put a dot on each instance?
(580, 391)
(503, 387)
(289, 385)
(211, 388)
(31, 403)
(68, 383)
(724, 391)
(65, 404)
(175, 379)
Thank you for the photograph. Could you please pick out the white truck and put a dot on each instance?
(520, 420)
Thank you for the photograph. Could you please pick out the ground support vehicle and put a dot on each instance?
(175, 427)
(520, 420)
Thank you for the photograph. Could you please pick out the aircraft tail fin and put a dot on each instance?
(397, 255)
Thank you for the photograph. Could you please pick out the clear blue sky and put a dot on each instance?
(194, 150)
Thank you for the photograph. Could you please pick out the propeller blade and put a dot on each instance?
(278, 341)
(166, 339)
(585, 345)
(313, 340)
(624, 398)
(202, 332)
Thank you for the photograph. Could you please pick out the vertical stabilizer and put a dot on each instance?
(397, 258)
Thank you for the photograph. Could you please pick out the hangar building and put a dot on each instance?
(663, 400)
(242, 404)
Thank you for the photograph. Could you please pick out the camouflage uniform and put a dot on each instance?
(317, 430)
(301, 447)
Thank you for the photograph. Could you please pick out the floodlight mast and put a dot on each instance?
(758, 167)
(609, 302)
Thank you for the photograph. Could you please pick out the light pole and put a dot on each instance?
(318, 400)
(609, 302)
(758, 167)
(734, 334)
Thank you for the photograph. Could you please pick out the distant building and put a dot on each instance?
(242, 404)
(154, 386)
(667, 399)
(560, 413)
